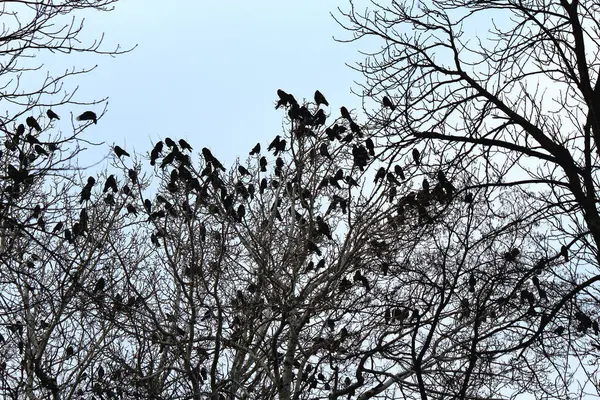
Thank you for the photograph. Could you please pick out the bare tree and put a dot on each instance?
(510, 116)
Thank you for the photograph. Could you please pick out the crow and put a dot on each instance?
(255, 149)
(399, 172)
(380, 174)
(388, 103)
(131, 209)
(370, 146)
(100, 284)
(132, 175)
(20, 130)
(564, 252)
(40, 150)
(169, 142)
(263, 164)
(416, 156)
(185, 145)
(345, 114)
(120, 152)
(32, 123)
(274, 144)
(52, 115)
(243, 171)
(320, 99)
(57, 227)
(88, 116)
(324, 151)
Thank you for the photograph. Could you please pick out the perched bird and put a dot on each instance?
(52, 115)
(40, 150)
(32, 123)
(169, 142)
(263, 164)
(100, 284)
(345, 114)
(255, 149)
(320, 118)
(131, 209)
(320, 99)
(472, 283)
(148, 206)
(416, 156)
(324, 151)
(564, 252)
(185, 145)
(120, 152)
(469, 198)
(57, 227)
(20, 130)
(88, 116)
(110, 183)
(380, 174)
(274, 144)
(399, 172)
(323, 228)
(133, 175)
(243, 171)
(388, 103)
(370, 146)
(391, 178)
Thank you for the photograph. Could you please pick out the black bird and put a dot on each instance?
(120, 152)
(169, 142)
(255, 149)
(323, 228)
(472, 283)
(110, 183)
(109, 199)
(148, 206)
(469, 197)
(88, 116)
(40, 150)
(36, 211)
(168, 159)
(388, 103)
(20, 130)
(274, 144)
(416, 156)
(52, 115)
(284, 99)
(57, 227)
(355, 129)
(320, 118)
(380, 174)
(32, 123)
(243, 171)
(100, 284)
(29, 138)
(399, 172)
(133, 175)
(345, 114)
(185, 145)
(324, 151)
(131, 209)
(392, 178)
(320, 99)
(425, 186)
(263, 164)
(313, 248)
(263, 185)
(370, 146)
(360, 156)
(564, 252)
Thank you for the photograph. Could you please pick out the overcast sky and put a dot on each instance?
(208, 71)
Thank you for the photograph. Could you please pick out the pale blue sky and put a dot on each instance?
(208, 71)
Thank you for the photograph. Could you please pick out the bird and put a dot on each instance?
(469, 197)
(416, 157)
(319, 118)
(120, 152)
(169, 142)
(274, 144)
(88, 116)
(391, 178)
(131, 209)
(57, 227)
(243, 171)
(320, 99)
(255, 149)
(284, 99)
(148, 206)
(388, 103)
(324, 151)
(20, 130)
(185, 145)
(370, 146)
(32, 123)
(263, 164)
(345, 114)
(323, 228)
(100, 284)
(52, 115)
(399, 172)
(110, 183)
(40, 150)
(380, 174)
(564, 252)
(472, 283)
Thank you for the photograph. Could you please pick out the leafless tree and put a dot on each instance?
(509, 115)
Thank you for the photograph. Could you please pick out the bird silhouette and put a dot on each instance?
(57, 228)
(170, 143)
(273, 145)
(388, 103)
(345, 114)
(120, 152)
(100, 284)
(185, 145)
(52, 115)
(40, 150)
(88, 116)
(379, 175)
(468, 197)
(131, 209)
(323, 228)
(255, 149)
(564, 252)
(32, 123)
(370, 147)
(320, 118)
(20, 130)
(416, 157)
(133, 175)
(320, 99)
(391, 178)
(399, 172)
(263, 164)
(324, 151)
(243, 171)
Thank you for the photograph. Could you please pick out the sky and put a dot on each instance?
(208, 71)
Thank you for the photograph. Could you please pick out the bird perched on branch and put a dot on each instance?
(120, 152)
(52, 115)
(32, 123)
(388, 103)
(88, 116)
(320, 99)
